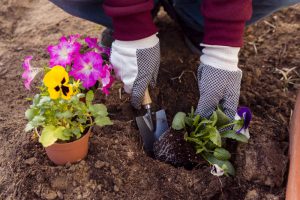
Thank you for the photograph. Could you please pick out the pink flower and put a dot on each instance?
(30, 72)
(63, 53)
(87, 68)
(93, 44)
(106, 78)
(72, 38)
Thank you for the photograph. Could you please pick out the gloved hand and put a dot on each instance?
(136, 64)
(219, 80)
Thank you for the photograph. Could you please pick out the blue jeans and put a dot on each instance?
(187, 10)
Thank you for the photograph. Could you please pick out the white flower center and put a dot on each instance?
(64, 53)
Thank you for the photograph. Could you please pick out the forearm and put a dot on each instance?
(224, 21)
(132, 19)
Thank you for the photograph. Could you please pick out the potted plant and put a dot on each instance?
(62, 112)
(206, 136)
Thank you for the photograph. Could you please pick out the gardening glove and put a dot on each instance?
(136, 64)
(219, 80)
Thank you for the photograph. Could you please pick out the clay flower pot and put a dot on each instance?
(62, 153)
(293, 186)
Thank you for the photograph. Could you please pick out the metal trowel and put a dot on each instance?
(152, 125)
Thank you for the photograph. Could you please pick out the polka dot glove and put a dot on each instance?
(136, 64)
(218, 87)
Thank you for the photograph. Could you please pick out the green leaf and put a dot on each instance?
(203, 121)
(48, 136)
(188, 121)
(37, 121)
(222, 118)
(59, 133)
(233, 135)
(215, 136)
(44, 100)
(29, 127)
(98, 110)
(36, 99)
(64, 115)
(103, 121)
(80, 95)
(222, 154)
(214, 118)
(89, 97)
(179, 121)
(192, 113)
(225, 165)
(31, 113)
(196, 120)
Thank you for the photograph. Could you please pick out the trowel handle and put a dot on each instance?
(147, 99)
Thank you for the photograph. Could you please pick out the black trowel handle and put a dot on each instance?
(147, 99)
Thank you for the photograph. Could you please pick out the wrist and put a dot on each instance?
(221, 57)
(146, 42)
(132, 20)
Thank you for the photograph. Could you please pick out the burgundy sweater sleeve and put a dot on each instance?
(224, 21)
(132, 19)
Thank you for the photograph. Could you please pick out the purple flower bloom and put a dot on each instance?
(245, 114)
(29, 72)
(87, 68)
(64, 52)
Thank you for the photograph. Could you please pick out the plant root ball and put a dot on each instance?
(173, 149)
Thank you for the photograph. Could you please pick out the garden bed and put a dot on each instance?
(116, 166)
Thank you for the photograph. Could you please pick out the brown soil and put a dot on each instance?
(116, 166)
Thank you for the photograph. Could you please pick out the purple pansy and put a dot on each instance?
(64, 52)
(245, 114)
(29, 72)
(87, 68)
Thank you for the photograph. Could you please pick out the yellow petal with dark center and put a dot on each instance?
(66, 91)
(53, 93)
(56, 76)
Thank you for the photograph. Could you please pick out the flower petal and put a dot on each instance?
(216, 170)
(54, 77)
(245, 113)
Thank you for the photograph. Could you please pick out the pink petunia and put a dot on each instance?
(106, 78)
(29, 72)
(72, 38)
(64, 52)
(87, 68)
(93, 44)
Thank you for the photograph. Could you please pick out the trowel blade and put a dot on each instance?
(161, 123)
(146, 132)
(149, 133)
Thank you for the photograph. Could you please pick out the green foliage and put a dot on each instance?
(64, 120)
(206, 136)
(232, 135)
(178, 121)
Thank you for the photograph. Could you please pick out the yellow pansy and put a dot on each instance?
(57, 82)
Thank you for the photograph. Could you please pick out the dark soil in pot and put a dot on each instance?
(116, 166)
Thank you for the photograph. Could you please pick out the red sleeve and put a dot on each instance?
(132, 19)
(224, 21)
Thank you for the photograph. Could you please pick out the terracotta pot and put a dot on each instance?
(71, 152)
(293, 186)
